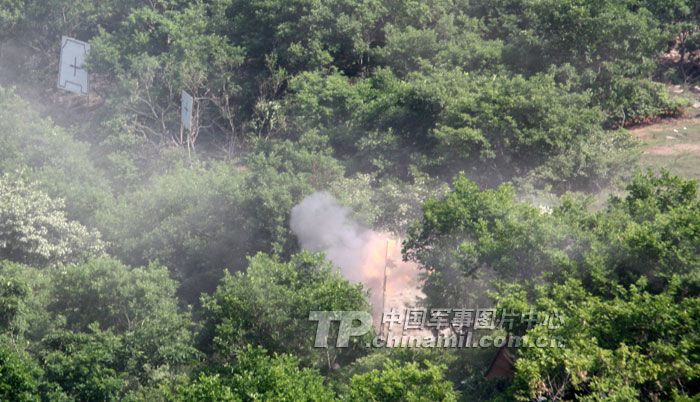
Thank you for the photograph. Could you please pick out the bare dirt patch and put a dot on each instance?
(668, 126)
(676, 149)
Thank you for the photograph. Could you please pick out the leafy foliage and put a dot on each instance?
(35, 230)
(18, 376)
(85, 365)
(629, 316)
(379, 102)
(473, 234)
(408, 382)
(138, 303)
(269, 305)
(48, 155)
(636, 346)
(256, 376)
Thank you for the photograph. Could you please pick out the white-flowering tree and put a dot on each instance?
(34, 229)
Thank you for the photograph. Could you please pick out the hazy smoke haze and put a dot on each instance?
(321, 224)
(363, 255)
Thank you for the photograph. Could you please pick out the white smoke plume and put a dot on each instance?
(363, 255)
(321, 224)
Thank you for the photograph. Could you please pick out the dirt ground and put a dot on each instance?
(676, 149)
(672, 144)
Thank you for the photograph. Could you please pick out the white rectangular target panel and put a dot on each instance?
(72, 75)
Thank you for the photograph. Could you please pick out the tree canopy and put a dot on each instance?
(144, 261)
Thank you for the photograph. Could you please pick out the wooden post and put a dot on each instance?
(386, 265)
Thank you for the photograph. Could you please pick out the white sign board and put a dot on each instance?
(72, 75)
(187, 104)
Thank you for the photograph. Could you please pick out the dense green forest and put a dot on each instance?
(140, 261)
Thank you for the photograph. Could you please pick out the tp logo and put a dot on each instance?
(346, 329)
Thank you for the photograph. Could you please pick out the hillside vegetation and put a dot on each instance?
(143, 262)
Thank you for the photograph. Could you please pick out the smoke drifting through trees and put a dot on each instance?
(323, 225)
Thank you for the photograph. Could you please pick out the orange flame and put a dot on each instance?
(383, 257)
